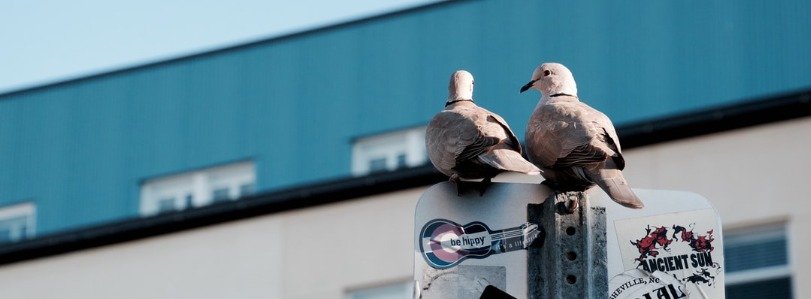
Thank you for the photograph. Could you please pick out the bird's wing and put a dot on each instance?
(557, 135)
(496, 126)
(506, 154)
(605, 136)
(453, 135)
(612, 142)
(564, 132)
(592, 137)
(487, 130)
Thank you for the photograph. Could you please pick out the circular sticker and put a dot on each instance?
(638, 283)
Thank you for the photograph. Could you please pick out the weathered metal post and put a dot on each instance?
(571, 262)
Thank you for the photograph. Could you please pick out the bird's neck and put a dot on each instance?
(457, 100)
(564, 87)
(557, 97)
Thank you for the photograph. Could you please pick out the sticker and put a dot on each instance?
(463, 281)
(635, 284)
(681, 245)
(444, 243)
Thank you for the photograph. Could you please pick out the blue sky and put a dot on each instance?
(47, 41)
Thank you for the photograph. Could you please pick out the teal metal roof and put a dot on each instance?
(80, 148)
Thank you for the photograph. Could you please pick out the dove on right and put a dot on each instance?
(574, 144)
(465, 141)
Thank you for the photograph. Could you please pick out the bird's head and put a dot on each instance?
(552, 78)
(461, 86)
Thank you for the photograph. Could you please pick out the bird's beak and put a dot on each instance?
(529, 85)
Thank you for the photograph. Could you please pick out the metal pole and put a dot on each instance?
(571, 260)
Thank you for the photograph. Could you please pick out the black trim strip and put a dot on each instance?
(714, 120)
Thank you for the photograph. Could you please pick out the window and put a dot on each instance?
(401, 161)
(403, 290)
(757, 263)
(197, 188)
(377, 165)
(220, 194)
(166, 204)
(246, 189)
(389, 151)
(17, 222)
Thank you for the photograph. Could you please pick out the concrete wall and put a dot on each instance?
(752, 176)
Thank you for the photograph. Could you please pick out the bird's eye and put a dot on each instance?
(472, 82)
(546, 73)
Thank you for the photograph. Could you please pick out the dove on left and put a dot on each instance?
(465, 141)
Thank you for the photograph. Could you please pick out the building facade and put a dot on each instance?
(237, 160)
(293, 107)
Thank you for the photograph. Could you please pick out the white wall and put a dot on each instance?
(204, 263)
(349, 245)
(752, 176)
(311, 253)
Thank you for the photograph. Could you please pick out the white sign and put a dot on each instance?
(675, 239)
(465, 243)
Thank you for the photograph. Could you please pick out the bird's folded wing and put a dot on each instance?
(509, 160)
(451, 134)
(496, 126)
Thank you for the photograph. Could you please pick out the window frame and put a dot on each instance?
(27, 211)
(409, 142)
(753, 235)
(199, 184)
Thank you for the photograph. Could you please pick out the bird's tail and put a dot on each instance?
(613, 183)
(509, 160)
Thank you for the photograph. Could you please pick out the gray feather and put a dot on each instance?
(509, 160)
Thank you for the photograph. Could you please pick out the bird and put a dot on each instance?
(574, 144)
(465, 141)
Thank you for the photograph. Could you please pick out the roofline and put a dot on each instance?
(766, 109)
(239, 46)
(761, 111)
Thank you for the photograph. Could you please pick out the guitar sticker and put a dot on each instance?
(445, 244)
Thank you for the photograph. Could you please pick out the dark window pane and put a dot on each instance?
(220, 194)
(779, 288)
(189, 201)
(5, 235)
(756, 255)
(401, 160)
(377, 165)
(166, 205)
(14, 229)
(246, 189)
